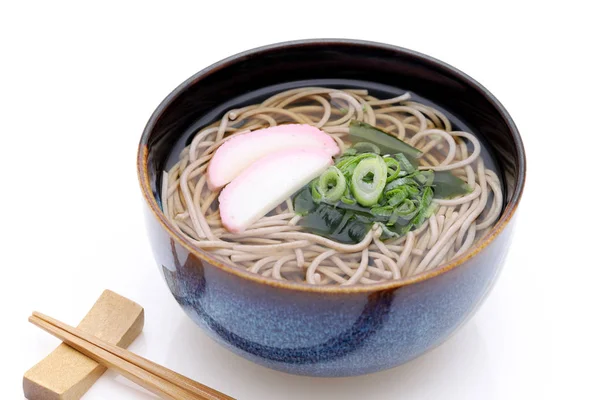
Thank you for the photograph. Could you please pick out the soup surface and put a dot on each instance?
(403, 188)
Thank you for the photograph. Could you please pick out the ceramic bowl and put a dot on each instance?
(327, 331)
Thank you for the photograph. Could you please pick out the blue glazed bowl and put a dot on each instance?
(328, 331)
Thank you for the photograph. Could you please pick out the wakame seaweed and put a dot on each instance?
(376, 181)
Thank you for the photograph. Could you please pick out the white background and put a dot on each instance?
(79, 81)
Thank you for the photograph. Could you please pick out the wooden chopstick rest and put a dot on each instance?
(154, 377)
(158, 386)
(66, 374)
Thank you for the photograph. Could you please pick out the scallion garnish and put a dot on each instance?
(376, 181)
(331, 185)
(368, 180)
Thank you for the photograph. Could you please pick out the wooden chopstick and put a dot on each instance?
(156, 385)
(161, 381)
(156, 369)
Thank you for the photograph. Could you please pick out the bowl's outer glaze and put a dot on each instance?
(325, 334)
(342, 333)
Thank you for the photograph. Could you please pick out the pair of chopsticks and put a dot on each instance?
(159, 380)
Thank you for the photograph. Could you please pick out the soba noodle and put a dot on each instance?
(276, 247)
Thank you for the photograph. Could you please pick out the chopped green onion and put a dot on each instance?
(347, 197)
(316, 195)
(348, 200)
(396, 196)
(385, 211)
(393, 168)
(405, 164)
(425, 202)
(387, 233)
(404, 212)
(347, 163)
(368, 180)
(425, 178)
(412, 190)
(331, 185)
(407, 209)
(407, 180)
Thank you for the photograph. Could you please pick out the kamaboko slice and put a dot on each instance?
(236, 154)
(266, 183)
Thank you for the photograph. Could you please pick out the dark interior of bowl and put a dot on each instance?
(203, 96)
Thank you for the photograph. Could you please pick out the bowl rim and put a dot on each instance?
(505, 217)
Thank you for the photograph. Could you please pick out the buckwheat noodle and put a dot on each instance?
(276, 247)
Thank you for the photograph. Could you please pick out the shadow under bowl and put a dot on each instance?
(327, 331)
